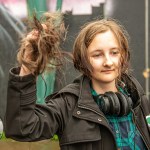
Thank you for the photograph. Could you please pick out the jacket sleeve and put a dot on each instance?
(27, 121)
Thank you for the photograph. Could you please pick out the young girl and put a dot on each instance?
(103, 109)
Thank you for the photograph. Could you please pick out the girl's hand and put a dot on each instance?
(31, 36)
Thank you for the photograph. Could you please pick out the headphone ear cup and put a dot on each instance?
(129, 100)
(104, 104)
(123, 103)
(114, 103)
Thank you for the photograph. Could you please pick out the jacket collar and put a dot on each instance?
(85, 98)
(81, 88)
(134, 88)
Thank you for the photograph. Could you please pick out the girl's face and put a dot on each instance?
(104, 56)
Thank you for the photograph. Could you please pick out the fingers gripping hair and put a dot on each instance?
(40, 48)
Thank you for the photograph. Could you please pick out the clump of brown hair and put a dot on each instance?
(43, 52)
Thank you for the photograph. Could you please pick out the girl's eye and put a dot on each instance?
(115, 52)
(97, 55)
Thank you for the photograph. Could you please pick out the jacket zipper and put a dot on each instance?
(136, 124)
(84, 107)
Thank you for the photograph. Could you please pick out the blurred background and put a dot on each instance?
(133, 14)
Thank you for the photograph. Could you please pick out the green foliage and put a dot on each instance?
(2, 136)
(55, 137)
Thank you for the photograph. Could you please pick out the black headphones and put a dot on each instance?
(117, 103)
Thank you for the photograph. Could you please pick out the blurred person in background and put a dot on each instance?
(103, 109)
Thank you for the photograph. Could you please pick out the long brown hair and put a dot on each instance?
(45, 51)
(87, 34)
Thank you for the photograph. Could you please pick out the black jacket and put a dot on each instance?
(71, 113)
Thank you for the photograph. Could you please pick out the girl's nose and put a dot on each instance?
(108, 61)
